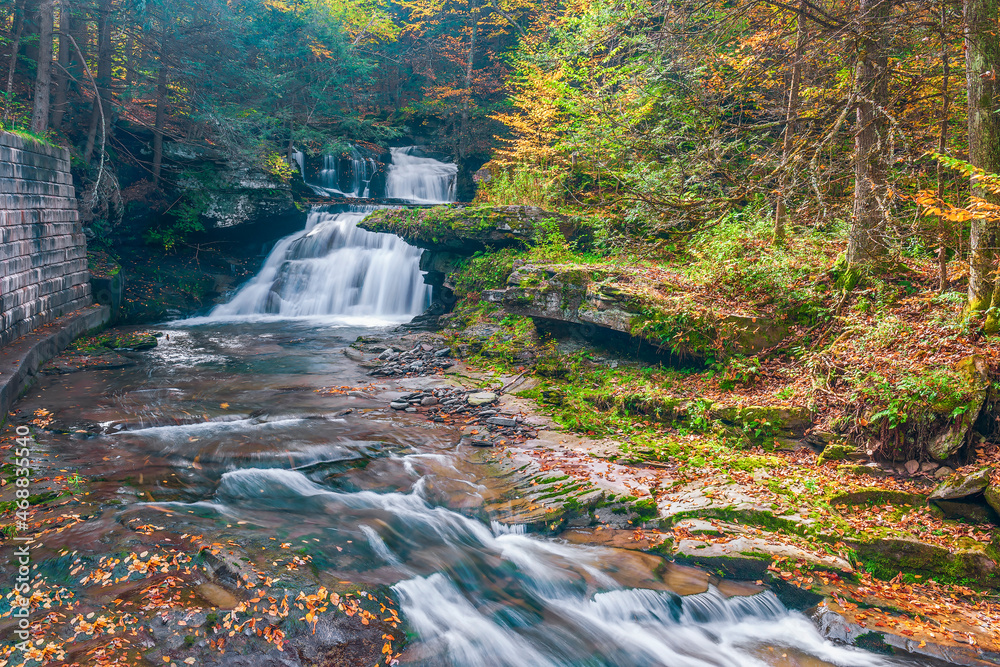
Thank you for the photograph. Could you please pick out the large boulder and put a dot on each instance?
(955, 435)
(628, 300)
(993, 496)
(963, 486)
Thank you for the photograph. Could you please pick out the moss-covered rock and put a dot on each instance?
(788, 420)
(838, 451)
(887, 557)
(960, 415)
(963, 486)
(621, 300)
(467, 229)
(993, 497)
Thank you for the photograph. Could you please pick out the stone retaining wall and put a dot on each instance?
(43, 252)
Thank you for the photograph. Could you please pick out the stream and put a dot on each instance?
(222, 430)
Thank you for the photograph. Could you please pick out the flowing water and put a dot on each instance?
(347, 175)
(221, 432)
(334, 269)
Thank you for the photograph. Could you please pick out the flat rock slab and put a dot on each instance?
(749, 557)
(481, 398)
(82, 361)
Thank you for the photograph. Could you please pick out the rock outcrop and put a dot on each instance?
(659, 313)
(467, 229)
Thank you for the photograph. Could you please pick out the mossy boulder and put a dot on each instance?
(626, 301)
(886, 557)
(468, 229)
(963, 486)
(838, 451)
(960, 413)
(992, 495)
(788, 420)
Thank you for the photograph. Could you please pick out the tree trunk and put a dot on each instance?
(104, 70)
(161, 109)
(61, 79)
(866, 246)
(43, 75)
(463, 140)
(982, 58)
(31, 29)
(131, 55)
(791, 116)
(18, 29)
(942, 145)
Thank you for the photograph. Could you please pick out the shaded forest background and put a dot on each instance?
(659, 118)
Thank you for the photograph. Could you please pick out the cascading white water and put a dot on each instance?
(350, 176)
(422, 180)
(333, 268)
(355, 181)
(504, 598)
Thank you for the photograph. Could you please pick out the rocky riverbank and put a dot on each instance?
(864, 550)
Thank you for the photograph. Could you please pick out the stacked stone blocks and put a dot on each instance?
(43, 252)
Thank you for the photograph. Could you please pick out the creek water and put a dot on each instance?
(220, 430)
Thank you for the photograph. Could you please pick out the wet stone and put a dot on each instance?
(428, 400)
(481, 398)
(411, 409)
(501, 421)
(399, 405)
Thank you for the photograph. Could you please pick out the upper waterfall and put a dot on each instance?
(422, 180)
(334, 268)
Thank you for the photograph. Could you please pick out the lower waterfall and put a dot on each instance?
(333, 268)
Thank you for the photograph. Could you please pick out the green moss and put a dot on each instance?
(646, 509)
(836, 452)
(874, 642)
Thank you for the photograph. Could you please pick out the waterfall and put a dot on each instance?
(332, 268)
(354, 181)
(348, 176)
(422, 180)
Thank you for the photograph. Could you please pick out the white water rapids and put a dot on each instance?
(497, 597)
(333, 269)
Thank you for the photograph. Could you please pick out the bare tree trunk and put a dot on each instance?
(791, 116)
(982, 58)
(43, 76)
(18, 29)
(865, 244)
(161, 108)
(104, 70)
(463, 141)
(130, 58)
(61, 79)
(942, 255)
